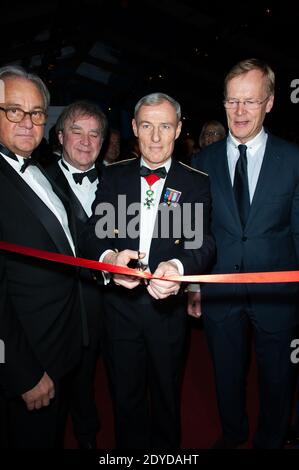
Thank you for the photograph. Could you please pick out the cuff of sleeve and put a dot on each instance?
(106, 275)
(193, 288)
(179, 265)
(104, 254)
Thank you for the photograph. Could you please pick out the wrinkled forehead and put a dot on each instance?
(17, 89)
(247, 83)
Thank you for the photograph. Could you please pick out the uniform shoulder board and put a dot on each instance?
(122, 162)
(190, 168)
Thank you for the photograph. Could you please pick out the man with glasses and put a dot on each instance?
(42, 296)
(255, 220)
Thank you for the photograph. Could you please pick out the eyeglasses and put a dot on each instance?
(248, 104)
(17, 115)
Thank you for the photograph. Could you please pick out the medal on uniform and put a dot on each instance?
(171, 196)
(149, 200)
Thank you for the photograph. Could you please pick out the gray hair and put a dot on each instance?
(9, 71)
(82, 108)
(158, 98)
(247, 65)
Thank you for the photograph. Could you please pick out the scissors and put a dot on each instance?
(142, 267)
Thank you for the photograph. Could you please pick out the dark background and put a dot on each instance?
(114, 52)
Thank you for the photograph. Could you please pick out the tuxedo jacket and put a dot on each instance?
(268, 242)
(90, 282)
(19, 357)
(123, 178)
(43, 295)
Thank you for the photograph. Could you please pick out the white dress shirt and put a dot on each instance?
(148, 216)
(43, 189)
(86, 191)
(255, 155)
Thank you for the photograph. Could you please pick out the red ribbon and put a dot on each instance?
(238, 278)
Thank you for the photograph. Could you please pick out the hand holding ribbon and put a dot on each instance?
(122, 259)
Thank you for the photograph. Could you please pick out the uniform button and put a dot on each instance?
(244, 239)
(237, 267)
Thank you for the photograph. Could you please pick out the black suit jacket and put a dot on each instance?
(19, 357)
(123, 178)
(90, 282)
(269, 241)
(43, 295)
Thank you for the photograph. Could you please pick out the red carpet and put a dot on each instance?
(200, 421)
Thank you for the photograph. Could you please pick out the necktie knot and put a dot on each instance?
(152, 176)
(91, 174)
(242, 149)
(160, 172)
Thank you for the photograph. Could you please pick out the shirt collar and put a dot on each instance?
(259, 139)
(21, 160)
(72, 169)
(166, 164)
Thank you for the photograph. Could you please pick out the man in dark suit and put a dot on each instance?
(20, 370)
(43, 296)
(81, 129)
(255, 221)
(145, 325)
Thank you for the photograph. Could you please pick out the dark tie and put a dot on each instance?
(91, 175)
(161, 172)
(27, 161)
(241, 188)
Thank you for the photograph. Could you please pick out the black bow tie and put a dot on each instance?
(161, 172)
(27, 161)
(91, 175)
(8, 153)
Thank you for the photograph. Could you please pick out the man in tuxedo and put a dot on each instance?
(16, 360)
(81, 129)
(145, 324)
(43, 296)
(255, 221)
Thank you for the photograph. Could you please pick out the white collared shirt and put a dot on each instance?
(148, 216)
(86, 191)
(43, 189)
(255, 155)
